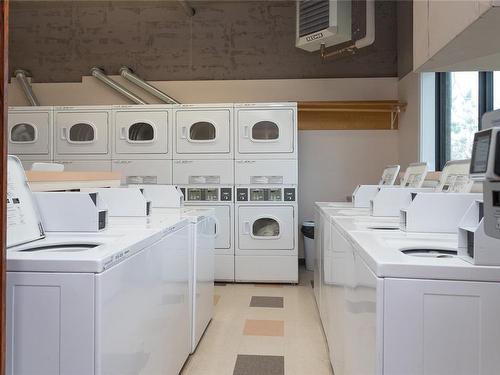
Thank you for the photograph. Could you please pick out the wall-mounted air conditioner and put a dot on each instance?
(322, 22)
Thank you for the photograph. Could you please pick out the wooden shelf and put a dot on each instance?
(350, 115)
(57, 181)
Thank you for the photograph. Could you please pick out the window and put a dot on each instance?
(266, 227)
(23, 133)
(141, 132)
(202, 131)
(81, 133)
(496, 90)
(461, 98)
(265, 130)
(463, 116)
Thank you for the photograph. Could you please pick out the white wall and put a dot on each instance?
(409, 92)
(331, 163)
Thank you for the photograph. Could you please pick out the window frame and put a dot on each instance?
(443, 103)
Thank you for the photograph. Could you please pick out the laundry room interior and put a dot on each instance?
(250, 187)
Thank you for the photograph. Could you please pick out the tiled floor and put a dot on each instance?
(262, 329)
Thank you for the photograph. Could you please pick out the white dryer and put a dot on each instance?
(30, 133)
(142, 143)
(203, 131)
(266, 234)
(266, 172)
(86, 165)
(265, 130)
(113, 302)
(220, 199)
(203, 172)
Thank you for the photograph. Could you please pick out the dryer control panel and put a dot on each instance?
(266, 194)
(207, 193)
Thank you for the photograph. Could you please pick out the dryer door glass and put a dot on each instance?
(202, 131)
(81, 133)
(141, 132)
(266, 227)
(265, 131)
(23, 133)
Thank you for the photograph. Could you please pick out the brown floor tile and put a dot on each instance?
(266, 301)
(259, 365)
(264, 327)
(216, 299)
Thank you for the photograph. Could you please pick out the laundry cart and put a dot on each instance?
(203, 131)
(266, 234)
(30, 134)
(82, 137)
(265, 130)
(142, 143)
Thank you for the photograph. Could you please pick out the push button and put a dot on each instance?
(289, 194)
(242, 195)
(226, 194)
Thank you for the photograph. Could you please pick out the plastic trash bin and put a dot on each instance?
(308, 232)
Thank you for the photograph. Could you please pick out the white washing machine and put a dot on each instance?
(203, 172)
(113, 302)
(266, 234)
(220, 199)
(142, 143)
(201, 259)
(421, 309)
(30, 133)
(203, 131)
(265, 130)
(202, 223)
(82, 133)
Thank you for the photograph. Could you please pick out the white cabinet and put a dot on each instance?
(421, 319)
(447, 32)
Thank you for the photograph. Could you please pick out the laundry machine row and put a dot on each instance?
(198, 146)
(136, 132)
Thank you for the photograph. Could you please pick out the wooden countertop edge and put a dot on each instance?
(36, 176)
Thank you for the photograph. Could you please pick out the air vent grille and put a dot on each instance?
(314, 16)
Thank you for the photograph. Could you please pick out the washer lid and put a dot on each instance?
(23, 220)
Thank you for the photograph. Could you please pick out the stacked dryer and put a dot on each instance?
(30, 134)
(204, 170)
(266, 228)
(82, 137)
(142, 143)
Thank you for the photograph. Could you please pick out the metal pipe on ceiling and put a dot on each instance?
(26, 86)
(101, 76)
(126, 73)
(187, 8)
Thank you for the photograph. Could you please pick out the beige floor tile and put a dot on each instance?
(264, 327)
(294, 331)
